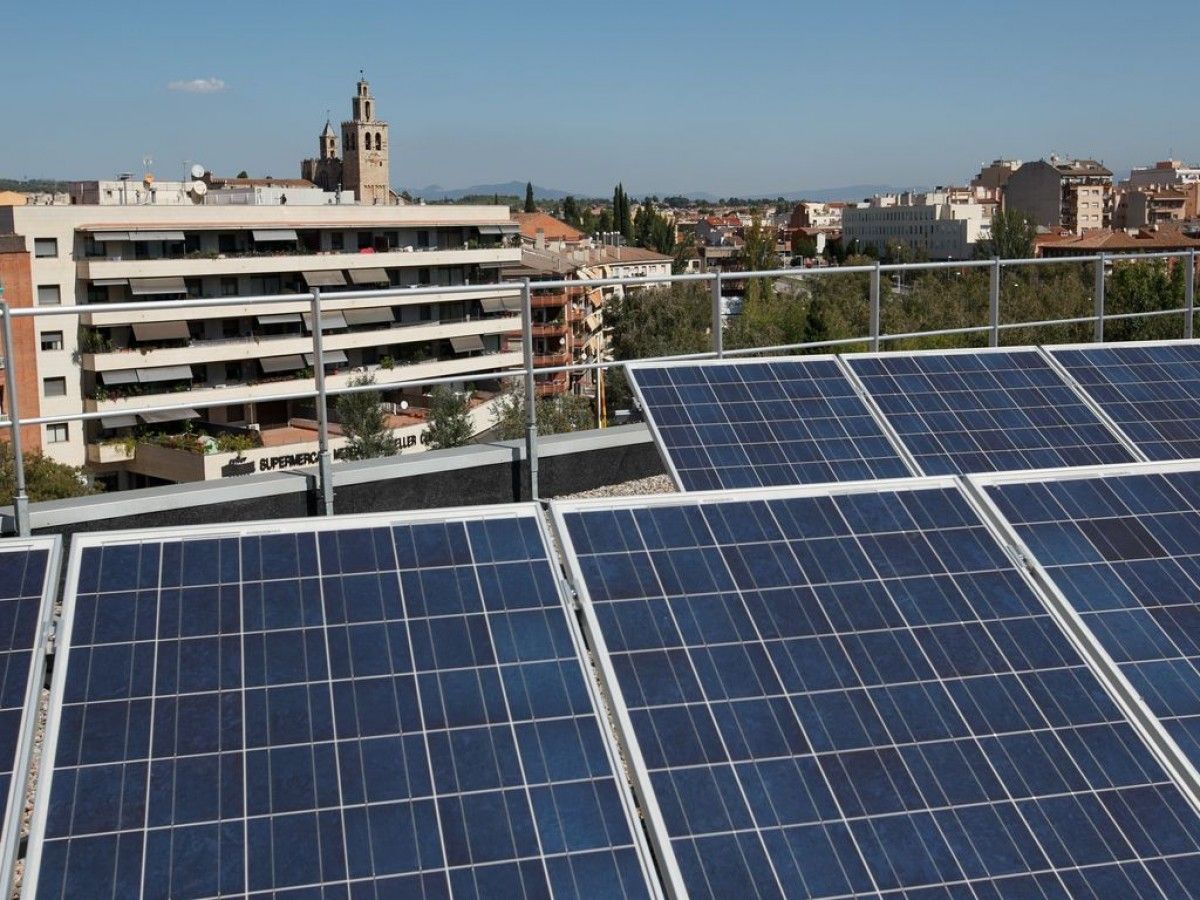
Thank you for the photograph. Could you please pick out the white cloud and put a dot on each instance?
(198, 86)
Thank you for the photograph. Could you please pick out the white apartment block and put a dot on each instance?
(1168, 173)
(943, 225)
(250, 357)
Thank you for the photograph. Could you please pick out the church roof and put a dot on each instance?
(328, 132)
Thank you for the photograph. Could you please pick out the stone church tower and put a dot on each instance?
(364, 165)
(365, 150)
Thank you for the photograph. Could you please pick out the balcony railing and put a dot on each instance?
(555, 363)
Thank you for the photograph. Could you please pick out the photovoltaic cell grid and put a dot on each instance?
(986, 412)
(25, 585)
(1125, 551)
(1151, 392)
(764, 423)
(377, 712)
(860, 695)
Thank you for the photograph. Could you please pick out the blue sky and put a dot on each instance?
(741, 97)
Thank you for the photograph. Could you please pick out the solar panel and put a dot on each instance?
(373, 707)
(761, 423)
(1125, 553)
(28, 582)
(985, 411)
(1152, 392)
(859, 694)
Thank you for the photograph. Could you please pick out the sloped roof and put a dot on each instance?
(554, 229)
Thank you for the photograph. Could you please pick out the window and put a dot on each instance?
(233, 371)
(54, 387)
(57, 434)
(337, 241)
(45, 247)
(52, 340)
(49, 295)
(229, 287)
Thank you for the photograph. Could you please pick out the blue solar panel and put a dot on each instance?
(755, 424)
(1152, 391)
(397, 708)
(986, 412)
(28, 579)
(859, 694)
(1125, 552)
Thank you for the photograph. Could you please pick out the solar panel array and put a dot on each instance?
(1125, 552)
(1152, 391)
(754, 424)
(384, 711)
(859, 694)
(986, 411)
(28, 578)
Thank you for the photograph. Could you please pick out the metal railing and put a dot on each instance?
(717, 280)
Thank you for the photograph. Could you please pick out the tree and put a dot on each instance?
(530, 206)
(1138, 286)
(1012, 236)
(555, 415)
(242, 174)
(758, 255)
(363, 422)
(570, 211)
(45, 479)
(449, 419)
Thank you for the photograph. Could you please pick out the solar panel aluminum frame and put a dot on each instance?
(1152, 731)
(42, 647)
(82, 542)
(632, 367)
(655, 823)
(1041, 352)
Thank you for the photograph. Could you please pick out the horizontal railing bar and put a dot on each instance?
(939, 332)
(807, 345)
(1044, 323)
(1108, 317)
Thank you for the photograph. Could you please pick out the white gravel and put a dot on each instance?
(655, 484)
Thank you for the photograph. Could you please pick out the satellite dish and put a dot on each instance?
(197, 171)
(199, 188)
(404, 404)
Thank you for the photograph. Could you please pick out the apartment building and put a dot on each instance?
(942, 225)
(1075, 194)
(994, 175)
(568, 323)
(249, 357)
(1168, 173)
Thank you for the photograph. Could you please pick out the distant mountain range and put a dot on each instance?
(517, 189)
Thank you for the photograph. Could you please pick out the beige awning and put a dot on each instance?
(164, 373)
(110, 282)
(161, 331)
(108, 237)
(279, 319)
(329, 321)
(282, 363)
(118, 421)
(327, 278)
(466, 343)
(265, 235)
(369, 276)
(377, 316)
(501, 304)
(140, 287)
(169, 415)
(329, 357)
(156, 235)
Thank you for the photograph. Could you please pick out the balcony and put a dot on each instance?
(548, 300)
(548, 329)
(329, 303)
(249, 348)
(562, 358)
(216, 265)
(268, 390)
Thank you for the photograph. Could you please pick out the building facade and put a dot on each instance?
(994, 176)
(247, 357)
(1075, 194)
(364, 164)
(940, 225)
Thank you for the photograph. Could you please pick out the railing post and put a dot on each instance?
(875, 308)
(324, 460)
(20, 497)
(1098, 333)
(718, 338)
(531, 451)
(1189, 294)
(994, 304)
